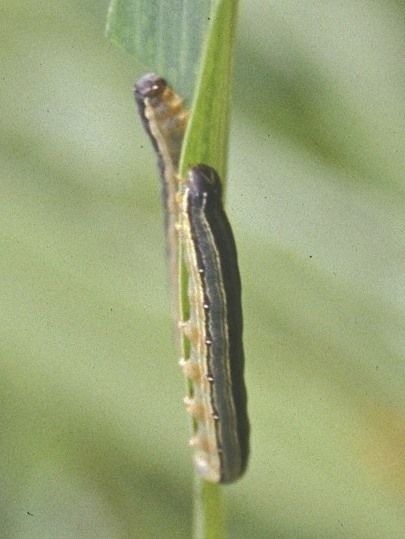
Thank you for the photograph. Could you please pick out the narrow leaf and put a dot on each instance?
(207, 136)
(165, 36)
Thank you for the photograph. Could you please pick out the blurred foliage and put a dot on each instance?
(94, 435)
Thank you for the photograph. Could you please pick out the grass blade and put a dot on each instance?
(206, 142)
(165, 36)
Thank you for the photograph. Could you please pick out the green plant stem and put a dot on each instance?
(209, 512)
(206, 142)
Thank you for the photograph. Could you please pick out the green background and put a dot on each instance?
(93, 434)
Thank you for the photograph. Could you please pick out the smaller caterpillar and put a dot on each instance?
(165, 120)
